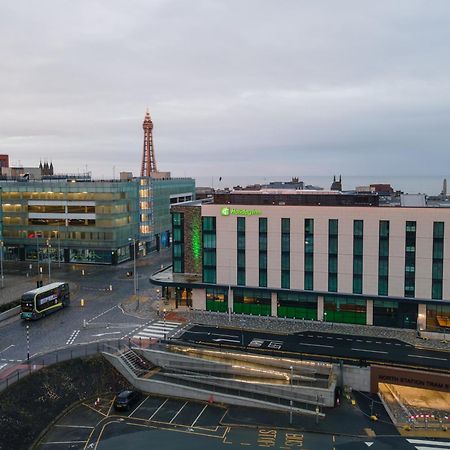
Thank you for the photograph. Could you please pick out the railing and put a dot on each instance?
(40, 361)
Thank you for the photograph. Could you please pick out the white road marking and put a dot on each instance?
(225, 340)
(101, 314)
(104, 334)
(140, 404)
(3, 365)
(174, 417)
(160, 406)
(339, 339)
(316, 345)
(426, 442)
(365, 350)
(420, 447)
(428, 357)
(72, 337)
(75, 426)
(4, 350)
(65, 442)
(198, 417)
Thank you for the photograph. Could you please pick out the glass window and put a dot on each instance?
(309, 281)
(263, 260)
(262, 278)
(209, 223)
(344, 309)
(438, 230)
(262, 242)
(358, 226)
(285, 279)
(209, 275)
(263, 225)
(332, 282)
(384, 228)
(357, 284)
(285, 226)
(333, 226)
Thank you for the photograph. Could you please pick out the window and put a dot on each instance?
(358, 230)
(178, 242)
(262, 252)
(332, 255)
(209, 249)
(240, 224)
(438, 260)
(410, 259)
(285, 252)
(297, 305)
(309, 254)
(249, 301)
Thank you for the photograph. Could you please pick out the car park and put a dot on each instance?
(126, 399)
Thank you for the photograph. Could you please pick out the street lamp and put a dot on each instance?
(292, 387)
(324, 316)
(28, 343)
(37, 252)
(158, 300)
(134, 266)
(49, 261)
(1, 261)
(164, 322)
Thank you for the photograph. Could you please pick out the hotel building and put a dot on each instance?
(313, 255)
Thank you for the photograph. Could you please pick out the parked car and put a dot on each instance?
(126, 399)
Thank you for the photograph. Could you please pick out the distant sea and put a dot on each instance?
(429, 184)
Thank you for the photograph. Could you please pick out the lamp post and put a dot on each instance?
(28, 343)
(164, 322)
(134, 267)
(158, 300)
(37, 253)
(1, 261)
(292, 388)
(49, 261)
(59, 249)
(324, 316)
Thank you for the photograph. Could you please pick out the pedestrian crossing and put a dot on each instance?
(425, 444)
(161, 329)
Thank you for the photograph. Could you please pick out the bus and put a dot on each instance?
(44, 300)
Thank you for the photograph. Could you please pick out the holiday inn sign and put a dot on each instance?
(226, 211)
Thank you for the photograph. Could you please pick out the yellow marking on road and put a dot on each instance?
(93, 409)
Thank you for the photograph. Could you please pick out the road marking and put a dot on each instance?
(358, 340)
(198, 417)
(174, 417)
(212, 334)
(329, 337)
(4, 350)
(104, 334)
(66, 442)
(72, 337)
(74, 426)
(316, 345)
(340, 339)
(101, 314)
(226, 340)
(428, 357)
(140, 404)
(160, 406)
(365, 350)
(349, 340)
(3, 365)
(423, 441)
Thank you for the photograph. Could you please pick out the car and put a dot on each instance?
(126, 399)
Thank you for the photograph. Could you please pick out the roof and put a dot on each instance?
(45, 288)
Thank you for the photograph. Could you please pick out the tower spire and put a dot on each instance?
(148, 155)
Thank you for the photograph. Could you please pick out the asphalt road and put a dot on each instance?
(101, 311)
(351, 348)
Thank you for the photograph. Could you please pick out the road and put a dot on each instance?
(351, 348)
(101, 311)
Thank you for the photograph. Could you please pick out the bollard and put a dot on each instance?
(82, 271)
(82, 302)
(110, 287)
(84, 323)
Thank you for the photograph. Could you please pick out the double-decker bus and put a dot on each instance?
(44, 300)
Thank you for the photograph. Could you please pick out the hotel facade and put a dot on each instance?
(327, 256)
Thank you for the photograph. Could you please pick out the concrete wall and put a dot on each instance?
(357, 378)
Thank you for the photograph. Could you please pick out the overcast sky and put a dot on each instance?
(234, 87)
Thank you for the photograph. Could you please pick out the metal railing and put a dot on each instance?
(66, 353)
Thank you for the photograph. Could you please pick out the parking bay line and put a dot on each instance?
(428, 357)
(198, 417)
(74, 426)
(160, 406)
(140, 404)
(173, 418)
(366, 350)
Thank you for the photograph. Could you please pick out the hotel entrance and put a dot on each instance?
(183, 297)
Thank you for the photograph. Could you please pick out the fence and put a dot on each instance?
(40, 361)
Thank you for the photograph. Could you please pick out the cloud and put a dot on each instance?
(232, 86)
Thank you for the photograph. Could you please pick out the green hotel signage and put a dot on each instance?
(226, 211)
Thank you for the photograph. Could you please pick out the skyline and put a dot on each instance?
(362, 89)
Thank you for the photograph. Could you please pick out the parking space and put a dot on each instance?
(175, 411)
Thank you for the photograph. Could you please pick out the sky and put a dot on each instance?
(234, 88)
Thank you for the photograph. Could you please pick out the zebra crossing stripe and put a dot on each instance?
(157, 327)
(143, 333)
(423, 444)
(169, 322)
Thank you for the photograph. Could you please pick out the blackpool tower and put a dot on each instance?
(148, 167)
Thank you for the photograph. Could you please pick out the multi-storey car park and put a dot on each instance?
(316, 255)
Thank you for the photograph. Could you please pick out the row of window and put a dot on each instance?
(342, 309)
